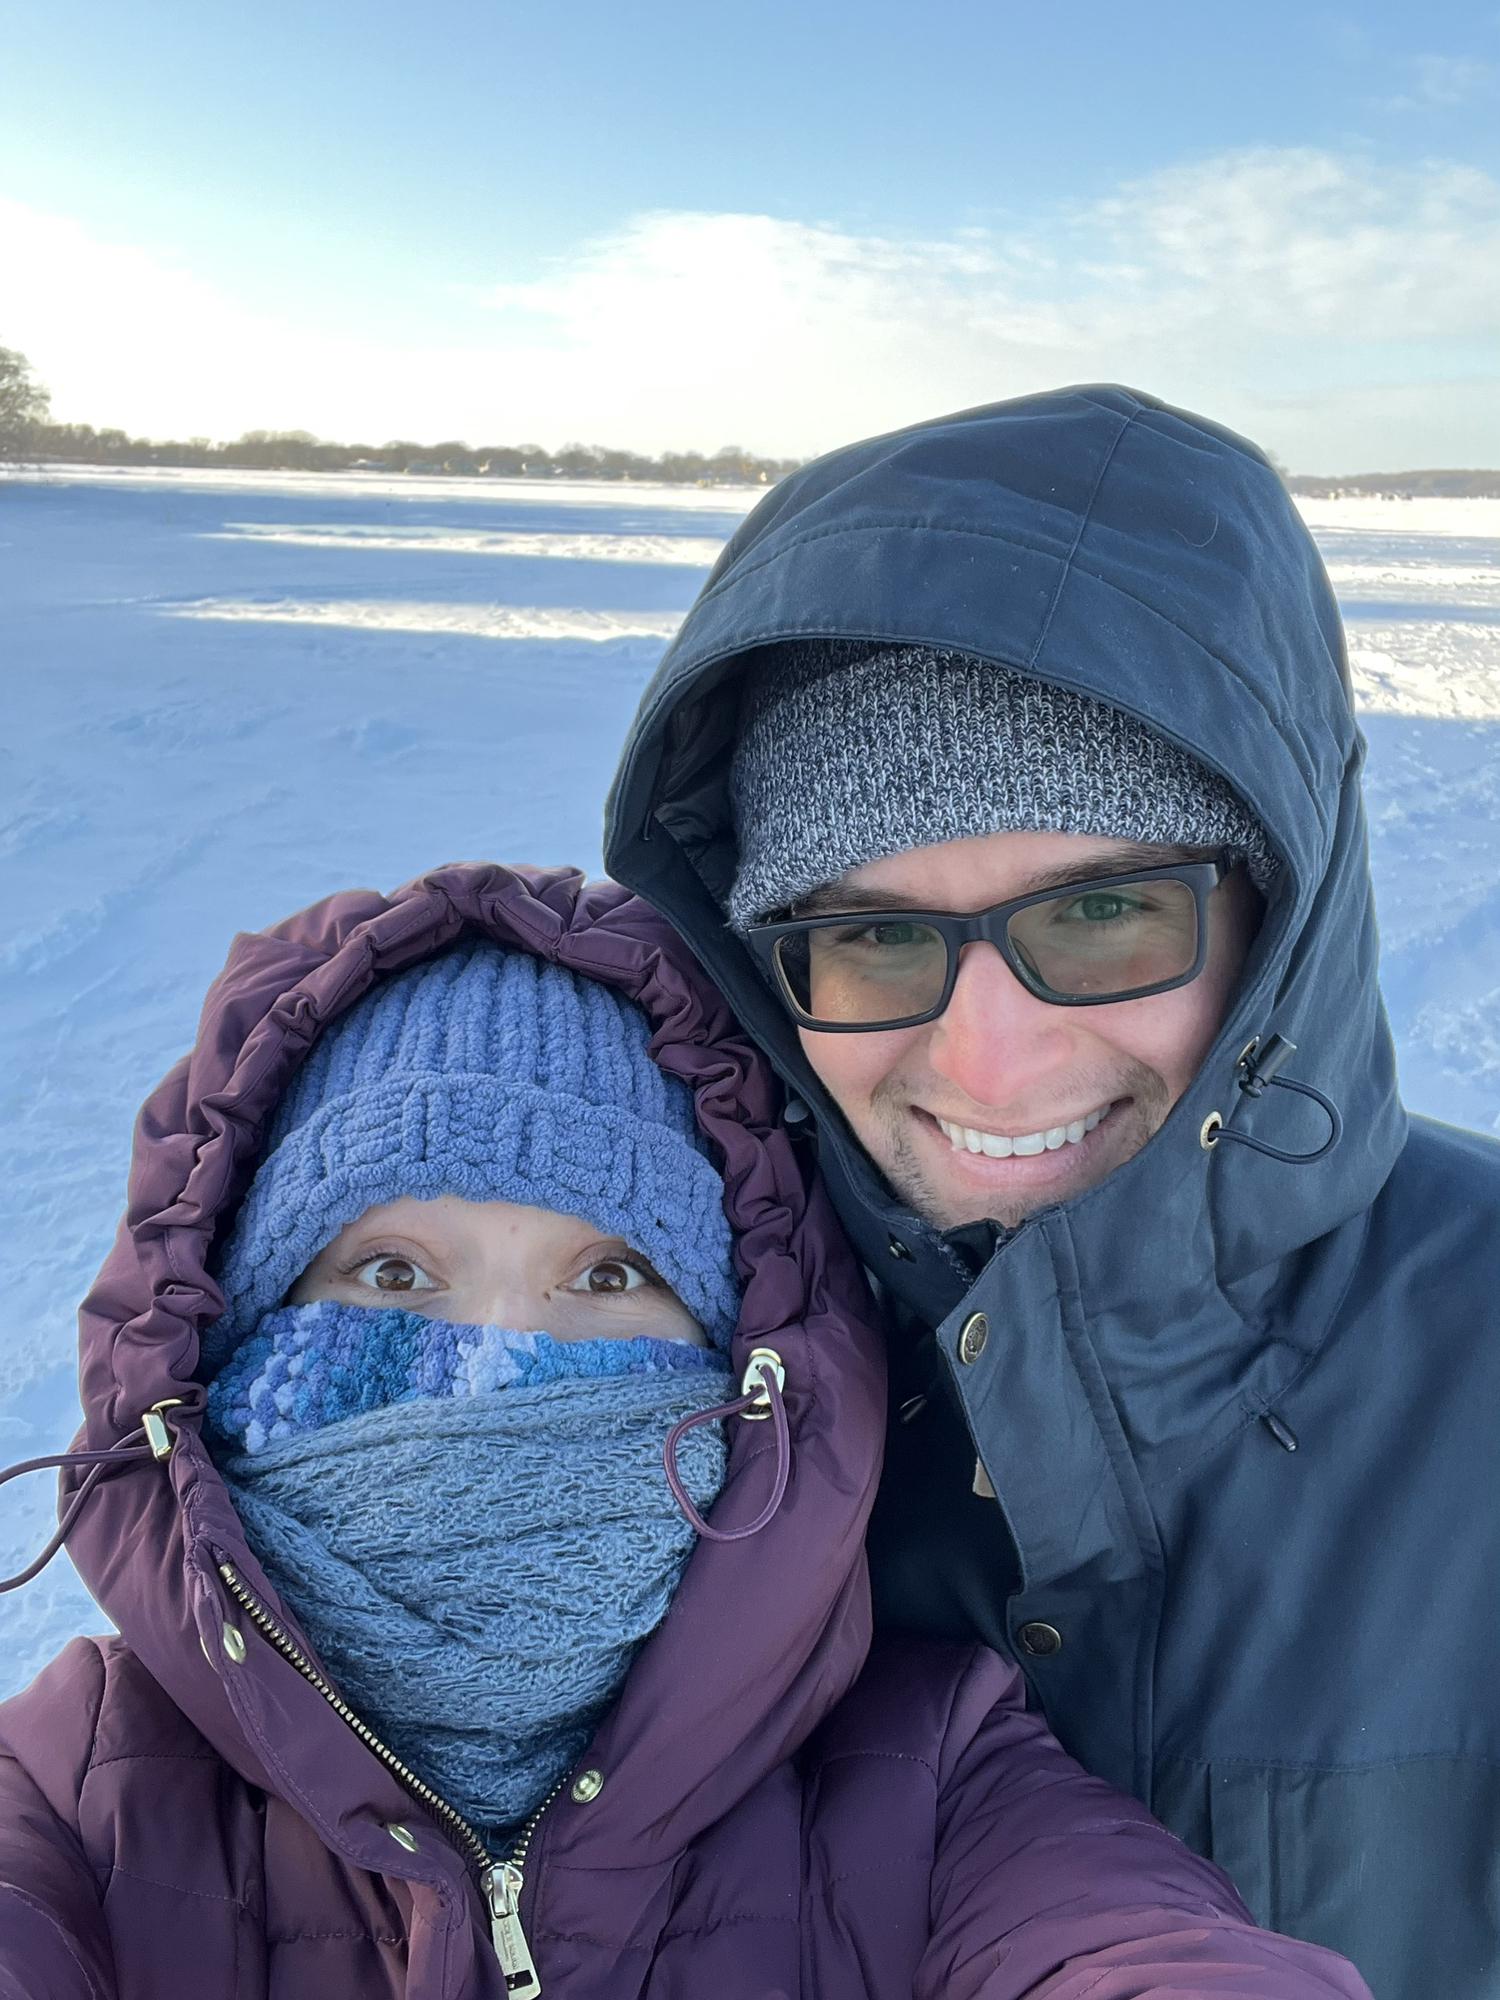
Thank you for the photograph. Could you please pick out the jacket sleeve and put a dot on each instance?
(53, 1940)
(1050, 1885)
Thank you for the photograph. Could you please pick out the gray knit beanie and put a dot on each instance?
(849, 751)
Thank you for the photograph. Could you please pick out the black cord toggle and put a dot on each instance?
(1259, 1069)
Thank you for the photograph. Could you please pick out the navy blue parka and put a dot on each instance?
(1239, 1415)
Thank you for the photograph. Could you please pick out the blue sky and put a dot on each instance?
(781, 226)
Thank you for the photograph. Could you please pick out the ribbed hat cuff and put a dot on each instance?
(470, 1136)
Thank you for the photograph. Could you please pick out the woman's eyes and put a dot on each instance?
(610, 1277)
(388, 1273)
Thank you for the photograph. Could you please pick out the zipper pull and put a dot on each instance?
(502, 1888)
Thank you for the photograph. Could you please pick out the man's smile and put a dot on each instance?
(1001, 1145)
(1043, 1164)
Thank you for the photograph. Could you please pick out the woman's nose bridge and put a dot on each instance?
(506, 1295)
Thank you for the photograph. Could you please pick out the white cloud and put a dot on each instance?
(1315, 299)
(1311, 246)
(1440, 82)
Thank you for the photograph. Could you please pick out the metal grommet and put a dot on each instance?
(154, 1424)
(587, 1786)
(1039, 1639)
(1208, 1131)
(972, 1337)
(763, 1361)
(1247, 1051)
(232, 1639)
(403, 1837)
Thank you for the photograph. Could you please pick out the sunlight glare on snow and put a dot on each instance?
(610, 495)
(476, 621)
(685, 551)
(1437, 668)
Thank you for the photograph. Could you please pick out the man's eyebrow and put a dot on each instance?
(835, 898)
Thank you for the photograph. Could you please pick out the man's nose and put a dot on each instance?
(994, 1038)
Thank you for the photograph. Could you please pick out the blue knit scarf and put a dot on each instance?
(472, 1526)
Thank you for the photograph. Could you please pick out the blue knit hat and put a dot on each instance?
(491, 1075)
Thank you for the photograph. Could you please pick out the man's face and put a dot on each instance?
(1001, 1064)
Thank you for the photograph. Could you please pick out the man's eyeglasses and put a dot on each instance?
(1115, 937)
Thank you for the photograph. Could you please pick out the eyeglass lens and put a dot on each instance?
(1105, 943)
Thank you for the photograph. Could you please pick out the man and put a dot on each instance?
(1195, 1346)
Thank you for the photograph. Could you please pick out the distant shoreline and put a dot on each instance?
(731, 472)
(1433, 485)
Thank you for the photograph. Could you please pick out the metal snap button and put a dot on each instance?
(972, 1337)
(1039, 1640)
(899, 1249)
(232, 1639)
(587, 1786)
(403, 1837)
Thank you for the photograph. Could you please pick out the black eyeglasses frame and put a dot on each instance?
(990, 927)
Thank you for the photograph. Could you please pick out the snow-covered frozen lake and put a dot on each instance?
(227, 696)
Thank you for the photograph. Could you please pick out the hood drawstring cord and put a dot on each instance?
(1256, 1069)
(760, 1397)
(150, 1440)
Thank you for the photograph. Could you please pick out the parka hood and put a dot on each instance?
(1139, 555)
(765, 1634)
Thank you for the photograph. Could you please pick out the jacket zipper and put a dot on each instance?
(503, 1881)
(500, 1882)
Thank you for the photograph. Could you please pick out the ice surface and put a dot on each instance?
(228, 695)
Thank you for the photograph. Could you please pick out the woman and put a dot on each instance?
(372, 1487)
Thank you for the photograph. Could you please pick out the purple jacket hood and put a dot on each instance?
(766, 1635)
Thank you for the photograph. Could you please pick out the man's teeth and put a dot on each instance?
(964, 1138)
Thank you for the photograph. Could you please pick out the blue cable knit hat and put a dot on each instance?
(491, 1075)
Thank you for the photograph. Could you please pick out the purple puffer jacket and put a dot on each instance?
(772, 1809)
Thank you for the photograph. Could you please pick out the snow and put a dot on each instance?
(479, 621)
(228, 694)
(680, 551)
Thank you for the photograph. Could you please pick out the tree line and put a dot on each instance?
(28, 433)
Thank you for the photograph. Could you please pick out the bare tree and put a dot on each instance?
(23, 405)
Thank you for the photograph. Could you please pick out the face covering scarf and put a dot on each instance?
(472, 1525)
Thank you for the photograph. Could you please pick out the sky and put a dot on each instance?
(782, 227)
